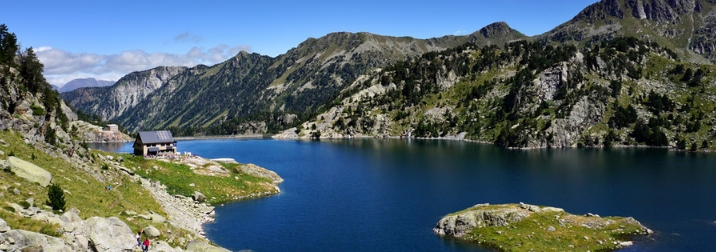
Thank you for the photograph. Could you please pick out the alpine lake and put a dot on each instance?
(388, 194)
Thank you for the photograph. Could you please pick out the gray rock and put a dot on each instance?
(551, 229)
(110, 234)
(460, 224)
(31, 241)
(626, 244)
(31, 201)
(73, 215)
(157, 218)
(29, 171)
(152, 232)
(3, 226)
(71, 221)
(163, 246)
(15, 191)
(202, 246)
(198, 196)
(130, 212)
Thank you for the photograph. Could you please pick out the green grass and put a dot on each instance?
(178, 177)
(83, 192)
(531, 234)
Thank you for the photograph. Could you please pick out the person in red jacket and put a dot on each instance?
(145, 245)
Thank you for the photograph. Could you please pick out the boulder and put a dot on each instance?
(152, 232)
(3, 226)
(21, 240)
(163, 246)
(198, 196)
(157, 218)
(71, 221)
(29, 171)
(109, 234)
(202, 246)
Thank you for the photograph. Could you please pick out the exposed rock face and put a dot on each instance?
(550, 80)
(483, 215)
(584, 114)
(29, 171)
(109, 102)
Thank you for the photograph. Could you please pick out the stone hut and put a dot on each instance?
(155, 143)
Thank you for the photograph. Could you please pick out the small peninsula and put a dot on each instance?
(524, 227)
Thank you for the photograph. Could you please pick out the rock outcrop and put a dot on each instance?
(514, 227)
(93, 234)
(29, 171)
(485, 215)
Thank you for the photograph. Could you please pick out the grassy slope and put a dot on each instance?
(89, 196)
(178, 177)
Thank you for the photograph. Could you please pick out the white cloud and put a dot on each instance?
(62, 66)
(187, 37)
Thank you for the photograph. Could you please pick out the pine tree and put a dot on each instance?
(8, 46)
(56, 197)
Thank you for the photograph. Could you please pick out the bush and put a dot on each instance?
(50, 136)
(37, 110)
(105, 167)
(25, 204)
(56, 197)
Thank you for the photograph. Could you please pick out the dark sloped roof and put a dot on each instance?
(153, 137)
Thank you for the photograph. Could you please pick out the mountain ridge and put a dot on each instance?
(337, 85)
(304, 77)
(83, 82)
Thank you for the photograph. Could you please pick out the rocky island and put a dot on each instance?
(524, 227)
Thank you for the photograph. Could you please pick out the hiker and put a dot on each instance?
(145, 245)
(139, 238)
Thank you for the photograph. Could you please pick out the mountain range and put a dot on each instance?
(84, 82)
(591, 81)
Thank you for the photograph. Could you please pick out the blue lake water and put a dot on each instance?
(386, 195)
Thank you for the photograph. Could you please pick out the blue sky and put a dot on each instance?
(107, 39)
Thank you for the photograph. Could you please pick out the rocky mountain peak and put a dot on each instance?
(661, 11)
(497, 28)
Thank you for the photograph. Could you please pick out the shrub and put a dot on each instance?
(37, 110)
(50, 136)
(56, 197)
(105, 167)
(9, 209)
(25, 204)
